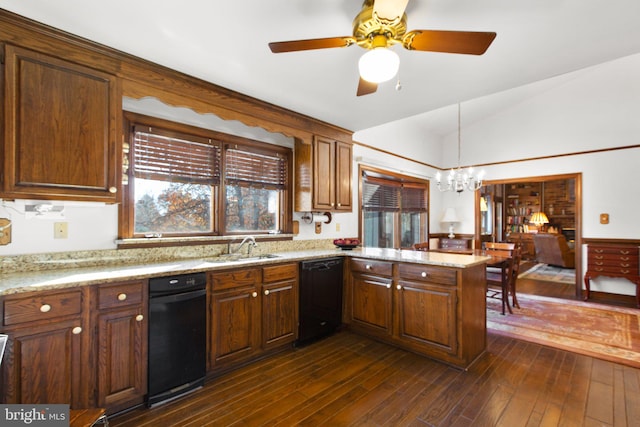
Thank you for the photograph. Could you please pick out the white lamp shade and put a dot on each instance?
(450, 216)
(379, 65)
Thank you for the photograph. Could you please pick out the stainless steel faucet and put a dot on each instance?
(252, 244)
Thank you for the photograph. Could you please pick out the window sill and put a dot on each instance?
(151, 242)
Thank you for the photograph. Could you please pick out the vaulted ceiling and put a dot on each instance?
(225, 42)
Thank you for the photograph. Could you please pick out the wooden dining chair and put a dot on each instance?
(495, 274)
(499, 278)
(424, 246)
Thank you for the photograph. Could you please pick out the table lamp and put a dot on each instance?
(450, 217)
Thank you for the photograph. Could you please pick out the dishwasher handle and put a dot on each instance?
(184, 296)
(321, 265)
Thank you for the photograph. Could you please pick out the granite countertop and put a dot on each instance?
(49, 278)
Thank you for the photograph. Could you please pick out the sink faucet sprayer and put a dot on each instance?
(252, 244)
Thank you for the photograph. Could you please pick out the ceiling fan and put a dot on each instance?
(382, 24)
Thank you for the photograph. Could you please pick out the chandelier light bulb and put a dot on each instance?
(379, 65)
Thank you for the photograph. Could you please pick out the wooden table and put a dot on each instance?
(501, 262)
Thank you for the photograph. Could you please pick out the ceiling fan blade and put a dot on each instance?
(296, 45)
(389, 9)
(366, 87)
(468, 42)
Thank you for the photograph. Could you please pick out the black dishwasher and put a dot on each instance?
(177, 336)
(320, 299)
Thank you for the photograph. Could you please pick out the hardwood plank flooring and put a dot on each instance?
(350, 380)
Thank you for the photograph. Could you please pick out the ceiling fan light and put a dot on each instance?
(379, 65)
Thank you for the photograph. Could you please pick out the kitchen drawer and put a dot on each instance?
(235, 278)
(40, 306)
(278, 273)
(368, 266)
(120, 295)
(427, 273)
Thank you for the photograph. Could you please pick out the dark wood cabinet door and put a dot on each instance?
(122, 358)
(324, 159)
(235, 325)
(343, 176)
(427, 315)
(371, 304)
(60, 131)
(44, 364)
(279, 313)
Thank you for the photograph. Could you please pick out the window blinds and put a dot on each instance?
(166, 156)
(386, 194)
(245, 166)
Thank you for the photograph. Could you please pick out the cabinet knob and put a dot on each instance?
(388, 285)
(139, 318)
(77, 330)
(254, 294)
(399, 287)
(423, 274)
(368, 267)
(45, 308)
(122, 297)
(113, 190)
(339, 204)
(266, 291)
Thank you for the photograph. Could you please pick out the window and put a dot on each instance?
(394, 209)
(254, 185)
(185, 181)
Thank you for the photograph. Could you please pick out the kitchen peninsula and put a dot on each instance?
(429, 303)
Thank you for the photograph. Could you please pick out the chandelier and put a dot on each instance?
(460, 180)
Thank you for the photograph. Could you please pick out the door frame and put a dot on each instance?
(578, 209)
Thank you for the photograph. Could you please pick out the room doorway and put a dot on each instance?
(504, 209)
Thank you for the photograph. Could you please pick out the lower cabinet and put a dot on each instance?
(371, 302)
(48, 357)
(432, 310)
(251, 311)
(122, 345)
(85, 346)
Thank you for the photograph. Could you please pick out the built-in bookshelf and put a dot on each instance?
(521, 200)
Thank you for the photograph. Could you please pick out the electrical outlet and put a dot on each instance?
(60, 230)
(318, 227)
(337, 226)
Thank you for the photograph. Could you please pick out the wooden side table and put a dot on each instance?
(613, 260)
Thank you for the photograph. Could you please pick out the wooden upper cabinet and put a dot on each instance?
(60, 129)
(323, 175)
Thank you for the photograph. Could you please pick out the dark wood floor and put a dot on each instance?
(350, 380)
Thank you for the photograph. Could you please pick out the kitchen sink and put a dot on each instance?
(224, 258)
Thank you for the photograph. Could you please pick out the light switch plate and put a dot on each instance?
(604, 218)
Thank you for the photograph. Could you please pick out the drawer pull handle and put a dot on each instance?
(266, 291)
(624, 271)
(122, 297)
(599, 257)
(254, 294)
(113, 190)
(624, 258)
(45, 308)
(625, 265)
(599, 263)
(139, 318)
(399, 287)
(368, 267)
(624, 252)
(598, 250)
(77, 330)
(424, 274)
(388, 285)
